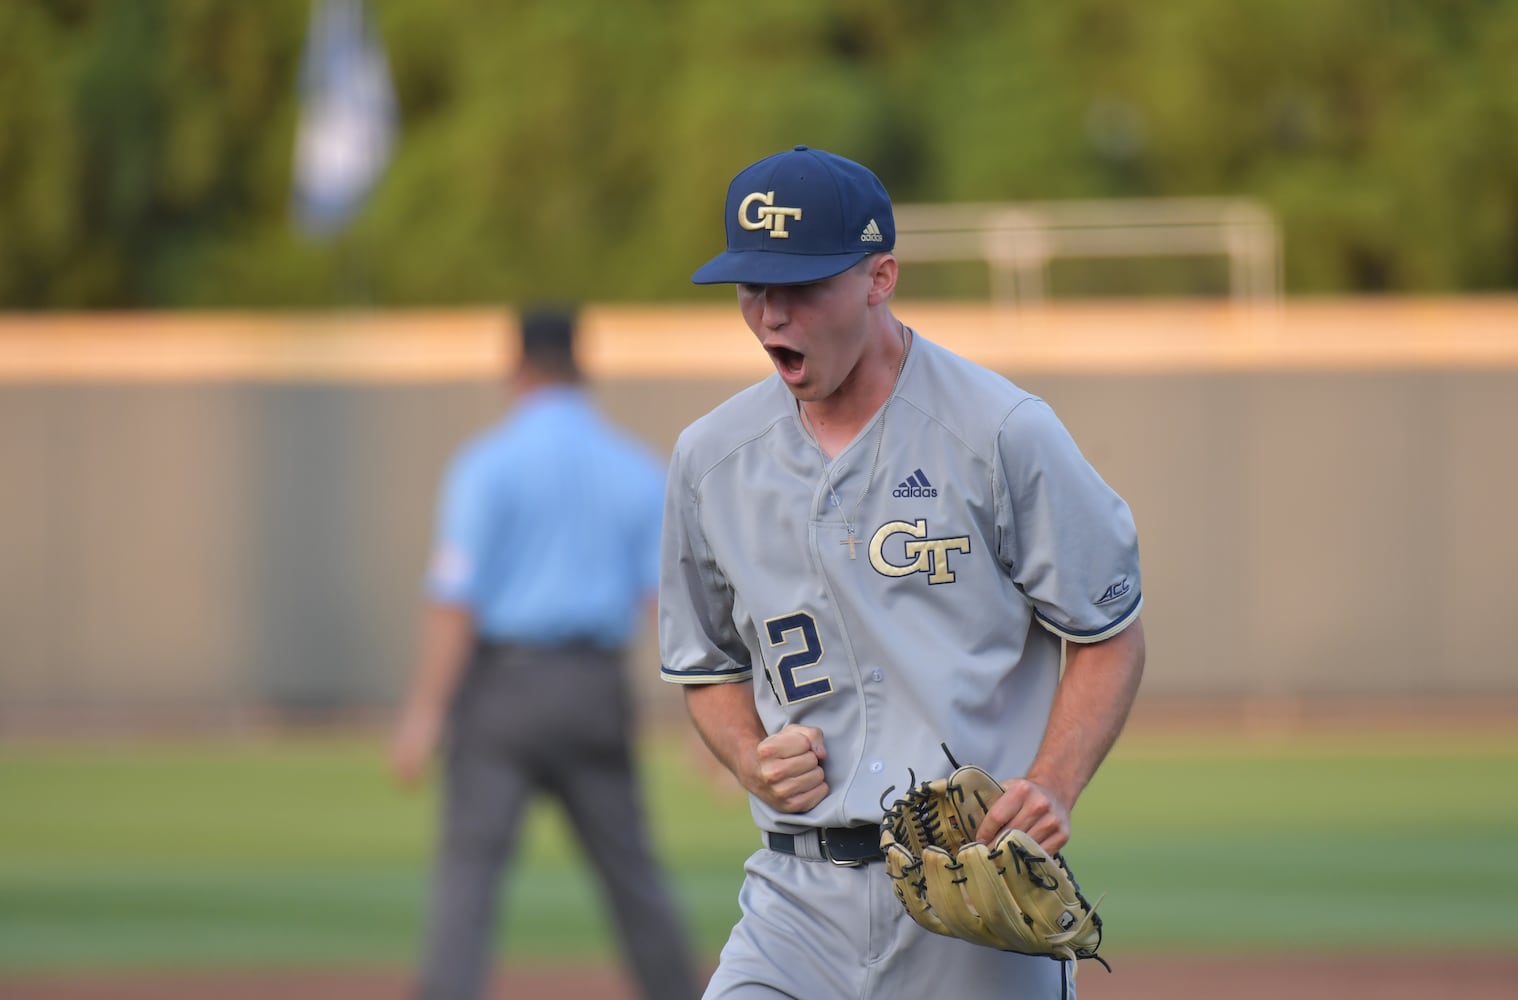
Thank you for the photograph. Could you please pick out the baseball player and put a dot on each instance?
(880, 548)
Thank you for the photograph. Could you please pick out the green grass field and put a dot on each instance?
(298, 852)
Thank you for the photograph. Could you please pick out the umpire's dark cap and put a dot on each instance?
(800, 216)
(548, 332)
(548, 328)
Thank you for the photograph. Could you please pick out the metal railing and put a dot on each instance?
(1019, 240)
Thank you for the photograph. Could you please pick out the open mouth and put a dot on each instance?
(790, 363)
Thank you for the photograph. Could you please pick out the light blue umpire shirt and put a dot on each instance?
(548, 525)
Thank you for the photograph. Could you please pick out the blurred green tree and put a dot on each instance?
(578, 149)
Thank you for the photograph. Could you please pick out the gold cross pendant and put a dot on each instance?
(849, 541)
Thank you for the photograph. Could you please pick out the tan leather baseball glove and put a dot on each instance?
(1011, 895)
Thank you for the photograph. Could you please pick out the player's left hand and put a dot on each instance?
(1031, 807)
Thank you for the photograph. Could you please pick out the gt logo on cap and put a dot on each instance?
(769, 217)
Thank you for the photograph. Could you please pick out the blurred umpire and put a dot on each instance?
(544, 567)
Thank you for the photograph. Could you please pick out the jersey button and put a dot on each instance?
(876, 767)
(877, 675)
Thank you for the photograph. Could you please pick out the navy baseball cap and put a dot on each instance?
(800, 216)
(548, 330)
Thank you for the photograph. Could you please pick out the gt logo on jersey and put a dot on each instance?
(926, 555)
(769, 217)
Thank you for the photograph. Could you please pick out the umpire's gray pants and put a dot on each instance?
(556, 721)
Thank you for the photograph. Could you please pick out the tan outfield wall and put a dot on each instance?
(230, 511)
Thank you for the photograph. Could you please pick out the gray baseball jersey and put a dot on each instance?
(984, 539)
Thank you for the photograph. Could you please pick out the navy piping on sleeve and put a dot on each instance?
(1076, 635)
(727, 676)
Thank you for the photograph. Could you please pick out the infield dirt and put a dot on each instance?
(1401, 977)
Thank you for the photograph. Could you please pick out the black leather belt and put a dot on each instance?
(842, 845)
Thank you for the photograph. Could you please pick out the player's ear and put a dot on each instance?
(882, 270)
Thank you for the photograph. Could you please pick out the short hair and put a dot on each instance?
(548, 339)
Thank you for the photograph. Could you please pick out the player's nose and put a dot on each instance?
(775, 306)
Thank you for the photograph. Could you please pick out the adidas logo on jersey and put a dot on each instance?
(871, 233)
(915, 485)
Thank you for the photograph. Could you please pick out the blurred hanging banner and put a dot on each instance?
(347, 116)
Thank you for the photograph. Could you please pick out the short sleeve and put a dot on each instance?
(461, 533)
(698, 643)
(1067, 538)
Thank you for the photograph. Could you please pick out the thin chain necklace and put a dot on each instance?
(848, 522)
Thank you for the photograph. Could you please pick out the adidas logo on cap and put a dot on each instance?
(871, 233)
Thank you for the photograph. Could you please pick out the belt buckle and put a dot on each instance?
(827, 851)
